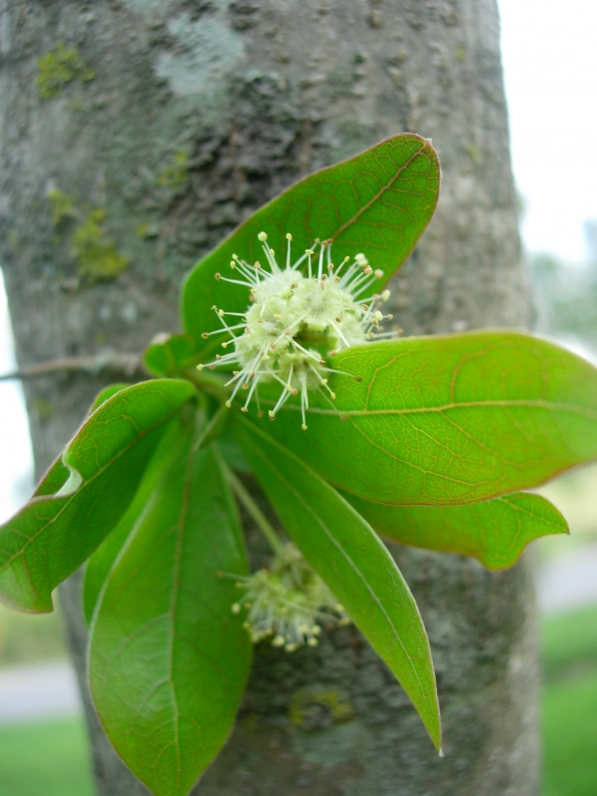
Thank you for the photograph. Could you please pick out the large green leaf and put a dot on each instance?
(106, 394)
(378, 203)
(101, 562)
(494, 531)
(83, 496)
(448, 419)
(357, 567)
(168, 659)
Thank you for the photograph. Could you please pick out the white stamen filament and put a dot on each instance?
(294, 321)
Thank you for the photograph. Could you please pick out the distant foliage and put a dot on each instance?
(566, 295)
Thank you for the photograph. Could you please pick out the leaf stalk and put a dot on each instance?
(253, 509)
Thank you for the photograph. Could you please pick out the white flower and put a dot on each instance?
(288, 602)
(294, 321)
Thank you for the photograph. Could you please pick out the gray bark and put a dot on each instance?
(258, 93)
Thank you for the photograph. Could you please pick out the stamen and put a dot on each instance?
(281, 400)
(309, 253)
(286, 332)
(289, 386)
(219, 277)
(342, 264)
(250, 394)
(239, 314)
(269, 346)
(354, 268)
(226, 328)
(304, 400)
(270, 254)
(363, 287)
(300, 261)
(337, 328)
(245, 270)
(304, 350)
(326, 397)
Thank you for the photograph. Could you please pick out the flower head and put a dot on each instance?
(294, 321)
(288, 603)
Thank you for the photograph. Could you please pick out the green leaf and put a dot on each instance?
(165, 357)
(378, 202)
(99, 565)
(54, 478)
(82, 497)
(231, 452)
(495, 531)
(449, 419)
(105, 394)
(344, 550)
(168, 658)
(214, 427)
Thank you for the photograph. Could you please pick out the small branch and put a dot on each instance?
(129, 365)
(253, 510)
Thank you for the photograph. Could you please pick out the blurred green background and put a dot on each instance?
(46, 757)
(569, 651)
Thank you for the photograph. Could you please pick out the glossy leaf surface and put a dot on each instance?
(378, 203)
(494, 531)
(357, 567)
(165, 357)
(99, 565)
(105, 394)
(168, 658)
(83, 496)
(448, 420)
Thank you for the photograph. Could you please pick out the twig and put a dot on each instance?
(253, 509)
(128, 365)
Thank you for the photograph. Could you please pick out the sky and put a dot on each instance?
(16, 460)
(549, 51)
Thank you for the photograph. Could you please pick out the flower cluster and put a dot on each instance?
(295, 320)
(288, 603)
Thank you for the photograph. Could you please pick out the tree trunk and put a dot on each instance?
(195, 113)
